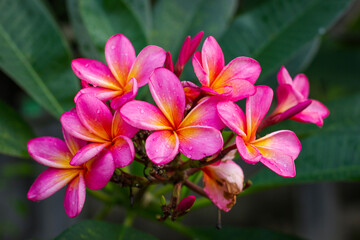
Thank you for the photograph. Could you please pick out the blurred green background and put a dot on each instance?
(38, 40)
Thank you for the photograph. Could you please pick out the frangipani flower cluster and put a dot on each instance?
(181, 135)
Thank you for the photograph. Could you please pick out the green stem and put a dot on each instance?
(128, 221)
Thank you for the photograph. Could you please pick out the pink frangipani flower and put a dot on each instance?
(277, 150)
(195, 136)
(124, 74)
(93, 121)
(57, 154)
(293, 102)
(223, 181)
(233, 81)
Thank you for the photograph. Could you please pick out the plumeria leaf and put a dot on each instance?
(98, 230)
(275, 31)
(188, 18)
(232, 233)
(329, 154)
(104, 19)
(36, 57)
(14, 132)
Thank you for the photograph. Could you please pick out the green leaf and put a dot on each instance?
(174, 20)
(329, 154)
(35, 55)
(85, 44)
(232, 233)
(99, 230)
(275, 31)
(14, 132)
(106, 18)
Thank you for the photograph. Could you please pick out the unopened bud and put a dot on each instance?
(185, 204)
(162, 200)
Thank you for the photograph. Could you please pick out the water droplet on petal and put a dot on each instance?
(189, 156)
(190, 148)
(86, 65)
(113, 47)
(141, 110)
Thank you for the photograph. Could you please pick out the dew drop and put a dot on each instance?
(190, 148)
(113, 47)
(190, 156)
(86, 65)
(167, 146)
(156, 150)
(141, 110)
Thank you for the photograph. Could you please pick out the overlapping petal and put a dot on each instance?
(162, 146)
(99, 170)
(144, 115)
(50, 181)
(168, 95)
(314, 113)
(73, 144)
(75, 196)
(301, 84)
(94, 115)
(204, 114)
(121, 127)
(233, 117)
(120, 56)
(150, 58)
(236, 89)
(200, 73)
(247, 151)
(50, 151)
(130, 91)
(103, 94)
(212, 58)
(283, 76)
(95, 73)
(197, 142)
(123, 151)
(88, 152)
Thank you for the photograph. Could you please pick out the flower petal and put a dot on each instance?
(236, 89)
(121, 127)
(314, 113)
(73, 144)
(287, 98)
(50, 181)
(204, 114)
(144, 115)
(168, 93)
(50, 151)
(247, 152)
(256, 109)
(191, 91)
(301, 84)
(242, 68)
(71, 123)
(94, 115)
(222, 182)
(95, 73)
(201, 74)
(103, 94)
(283, 76)
(279, 150)
(150, 58)
(120, 56)
(212, 58)
(88, 152)
(162, 146)
(75, 196)
(233, 117)
(123, 151)
(99, 170)
(130, 91)
(199, 141)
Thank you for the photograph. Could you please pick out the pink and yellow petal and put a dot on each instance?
(74, 144)
(278, 162)
(247, 152)
(150, 58)
(200, 73)
(50, 181)
(301, 84)
(162, 146)
(204, 114)
(103, 94)
(120, 56)
(129, 93)
(121, 127)
(75, 196)
(50, 151)
(236, 89)
(242, 68)
(123, 151)
(168, 94)
(256, 108)
(284, 77)
(95, 73)
(144, 115)
(212, 58)
(88, 152)
(94, 115)
(197, 142)
(99, 170)
(233, 117)
(72, 124)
